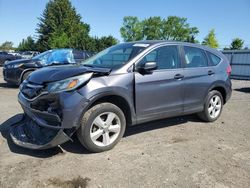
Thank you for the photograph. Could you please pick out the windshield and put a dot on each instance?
(52, 57)
(42, 56)
(115, 56)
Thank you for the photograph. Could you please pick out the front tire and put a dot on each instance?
(213, 107)
(102, 127)
(25, 75)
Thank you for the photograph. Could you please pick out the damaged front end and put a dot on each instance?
(52, 109)
(50, 119)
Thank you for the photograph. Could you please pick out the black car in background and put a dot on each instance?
(4, 57)
(18, 70)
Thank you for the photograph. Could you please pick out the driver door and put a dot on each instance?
(159, 93)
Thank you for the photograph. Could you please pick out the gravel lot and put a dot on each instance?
(177, 152)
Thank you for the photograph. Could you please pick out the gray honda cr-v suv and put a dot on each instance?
(126, 84)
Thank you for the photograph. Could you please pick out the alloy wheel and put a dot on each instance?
(105, 129)
(214, 107)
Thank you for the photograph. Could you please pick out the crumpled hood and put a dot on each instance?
(56, 73)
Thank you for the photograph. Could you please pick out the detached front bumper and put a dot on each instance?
(49, 120)
(28, 134)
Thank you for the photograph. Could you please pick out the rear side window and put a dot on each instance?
(194, 57)
(214, 59)
(166, 57)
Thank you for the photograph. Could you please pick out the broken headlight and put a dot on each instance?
(68, 84)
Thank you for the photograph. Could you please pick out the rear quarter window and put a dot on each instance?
(214, 59)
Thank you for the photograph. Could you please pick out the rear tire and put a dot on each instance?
(102, 127)
(213, 107)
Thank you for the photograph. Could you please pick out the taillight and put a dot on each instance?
(229, 70)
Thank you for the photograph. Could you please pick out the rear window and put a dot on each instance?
(194, 57)
(214, 59)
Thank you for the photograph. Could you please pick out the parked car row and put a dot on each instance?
(124, 85)
(18, 70)
(10, 56)
(5, 57)
(28, 54)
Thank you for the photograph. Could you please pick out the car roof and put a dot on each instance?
(154, 42)
(162, 42)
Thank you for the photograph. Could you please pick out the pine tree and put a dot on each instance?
(210, 40)
(27, 44)
(60, 26)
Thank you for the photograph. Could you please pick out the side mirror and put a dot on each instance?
(148, 67)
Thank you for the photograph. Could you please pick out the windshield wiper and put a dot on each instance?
(87, 65)
(52, 64)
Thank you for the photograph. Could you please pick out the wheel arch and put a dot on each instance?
(22, 74)
(117, 100)
(221, 89)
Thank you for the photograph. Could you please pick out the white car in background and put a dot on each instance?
(29, 54)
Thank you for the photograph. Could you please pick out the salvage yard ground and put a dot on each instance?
(176, 152)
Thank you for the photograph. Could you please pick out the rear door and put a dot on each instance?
(159, 94)
(198, 77)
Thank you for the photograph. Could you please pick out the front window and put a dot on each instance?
(115, 56)
(166, 57)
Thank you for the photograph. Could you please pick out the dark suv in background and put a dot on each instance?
(5, 57)
(16, 71)
(124, 85)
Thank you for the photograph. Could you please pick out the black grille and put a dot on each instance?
(30, 90)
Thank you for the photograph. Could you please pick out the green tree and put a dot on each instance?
(152, 28)
(237, 44)
(156, 28)
(131, 29)
(59, 40)
(177, 28)
(7, 45)
(96, 44)
(27, 44)
(105, 42)
(61, 26)
(210, 40)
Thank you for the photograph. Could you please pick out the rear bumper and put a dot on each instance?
(228, 90)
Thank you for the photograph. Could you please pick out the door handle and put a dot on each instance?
(210, 72)
(178, 76)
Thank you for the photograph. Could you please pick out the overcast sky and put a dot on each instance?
(229, 18)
